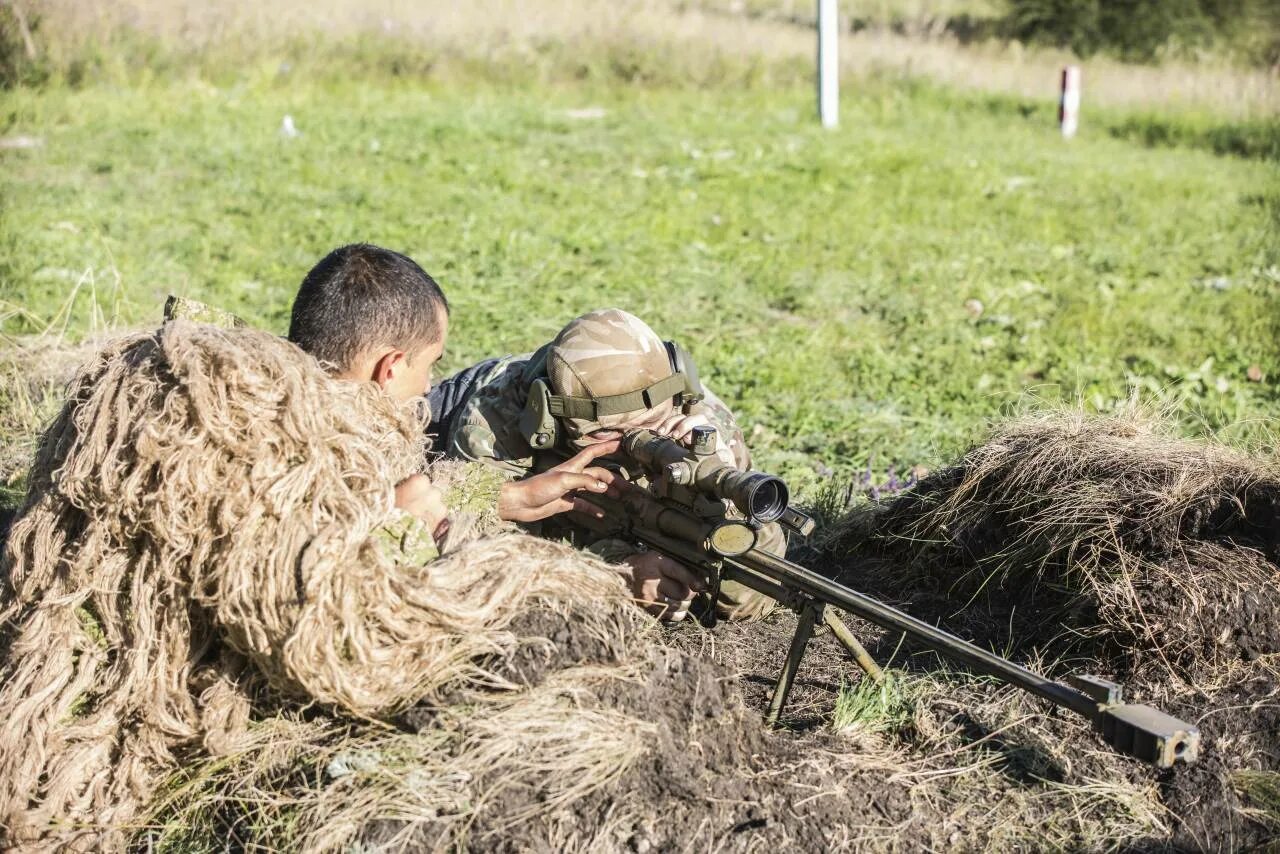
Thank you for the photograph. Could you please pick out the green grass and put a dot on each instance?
(1258, 138)
(820, 278)
(1262, 791)
(869, 707)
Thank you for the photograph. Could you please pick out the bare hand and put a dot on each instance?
(662, 585)
(678, 426)
(416, 496)
(555, 490)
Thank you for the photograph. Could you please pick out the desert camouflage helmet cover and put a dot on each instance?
(606, 353)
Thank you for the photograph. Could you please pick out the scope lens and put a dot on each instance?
(763, 498)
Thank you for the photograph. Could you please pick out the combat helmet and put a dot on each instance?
(601, 371)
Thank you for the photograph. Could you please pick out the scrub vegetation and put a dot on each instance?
(874, 294)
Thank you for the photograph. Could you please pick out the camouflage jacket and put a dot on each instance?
(475, 416)
(471, 498)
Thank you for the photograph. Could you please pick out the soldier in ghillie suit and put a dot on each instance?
(211, 537)
(604, 373)
(369, 314)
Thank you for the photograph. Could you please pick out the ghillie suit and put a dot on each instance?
(1109, 541)
(206, 537)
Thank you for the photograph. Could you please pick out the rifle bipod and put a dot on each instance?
(810, 613)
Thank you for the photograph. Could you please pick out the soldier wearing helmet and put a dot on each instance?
(604, 373)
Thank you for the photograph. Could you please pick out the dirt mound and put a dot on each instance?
(707, 775)
(1107, 546)
(1110, 537)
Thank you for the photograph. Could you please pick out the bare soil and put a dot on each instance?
(715, 775)
(719, 778)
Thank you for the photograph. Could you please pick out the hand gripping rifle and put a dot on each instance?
(683, 510)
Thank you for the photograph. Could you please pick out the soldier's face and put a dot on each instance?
(614, 427)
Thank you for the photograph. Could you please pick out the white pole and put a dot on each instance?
(1069, 104)
(828, 64)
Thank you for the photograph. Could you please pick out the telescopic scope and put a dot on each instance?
(760, 497)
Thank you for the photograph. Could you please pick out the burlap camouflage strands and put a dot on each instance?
(210, 528)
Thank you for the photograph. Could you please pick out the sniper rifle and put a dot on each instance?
(682, 509)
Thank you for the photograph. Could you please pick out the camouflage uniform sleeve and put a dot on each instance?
(476, 493)
(404, 538)
(721, 417)
(189, 309)
(487, 429)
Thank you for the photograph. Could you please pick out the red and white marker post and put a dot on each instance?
(1069, 103)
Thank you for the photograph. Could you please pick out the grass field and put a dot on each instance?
(824, 280)
(868, 299)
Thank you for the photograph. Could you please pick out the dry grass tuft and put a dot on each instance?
(324, 785)
(997, 773)
(1262, 789)
(31, 390)
(1169, 546)
(35, 369)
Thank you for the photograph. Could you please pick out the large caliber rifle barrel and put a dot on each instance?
(724, 548)
(860, 605)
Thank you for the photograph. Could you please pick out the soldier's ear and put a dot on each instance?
(387, 367)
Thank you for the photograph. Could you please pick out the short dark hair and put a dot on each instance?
(361, 296)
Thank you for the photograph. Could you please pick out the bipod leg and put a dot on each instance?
(804, 631)
(851, 643)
